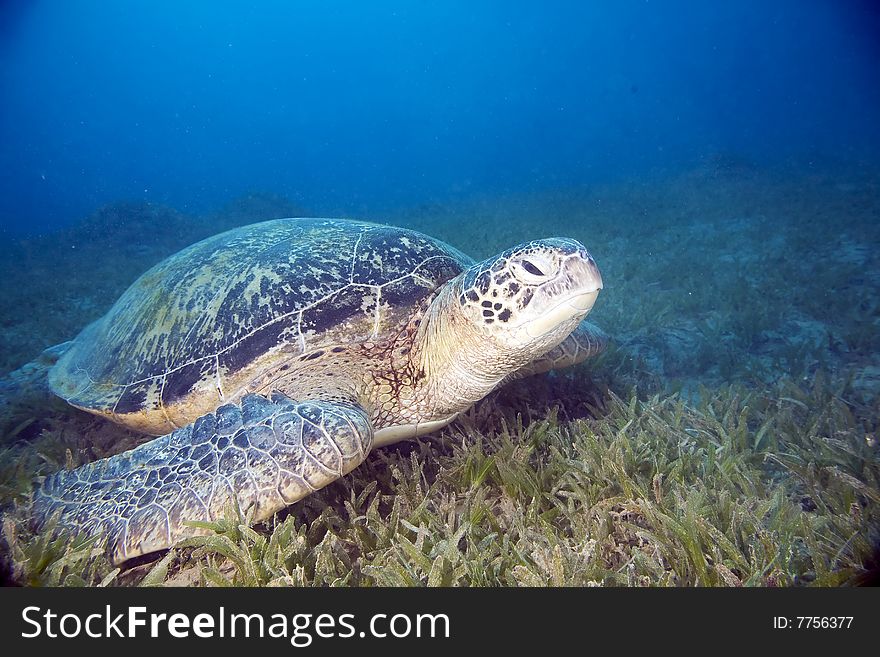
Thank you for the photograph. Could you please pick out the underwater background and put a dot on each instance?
(721, 161)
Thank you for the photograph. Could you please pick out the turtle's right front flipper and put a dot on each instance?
(586, 341)
(261, 454)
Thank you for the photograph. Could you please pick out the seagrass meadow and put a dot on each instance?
(727, 437)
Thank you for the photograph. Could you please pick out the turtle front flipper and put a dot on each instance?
(586, 341)
(261, 454)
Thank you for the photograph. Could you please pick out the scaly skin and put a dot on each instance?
(261, 454)
(586, 341)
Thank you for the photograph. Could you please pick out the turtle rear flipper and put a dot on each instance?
(261, 455)
(50, 355)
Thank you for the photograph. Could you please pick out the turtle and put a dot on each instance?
(269, 360)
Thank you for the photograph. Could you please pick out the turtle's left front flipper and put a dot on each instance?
(261, 454)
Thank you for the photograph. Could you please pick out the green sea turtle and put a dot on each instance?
(273, 357)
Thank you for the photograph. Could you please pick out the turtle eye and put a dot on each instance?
(533, 269)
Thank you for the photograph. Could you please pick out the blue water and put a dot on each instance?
(357, 107)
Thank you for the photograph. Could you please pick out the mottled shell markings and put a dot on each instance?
(199, 327)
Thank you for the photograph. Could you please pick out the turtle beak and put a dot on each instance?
(582, 280)
(583, 269)
(583, 302)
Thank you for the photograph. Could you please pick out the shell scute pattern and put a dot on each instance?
(234, 302)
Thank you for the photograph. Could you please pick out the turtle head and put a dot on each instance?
(498, 316)
(529, 298)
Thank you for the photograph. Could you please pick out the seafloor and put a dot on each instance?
(728, 437)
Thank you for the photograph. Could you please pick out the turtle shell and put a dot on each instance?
(193, 332)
